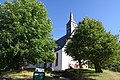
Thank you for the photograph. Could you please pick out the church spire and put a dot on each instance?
(71, 16)
(71, 24)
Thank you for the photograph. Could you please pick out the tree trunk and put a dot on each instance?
(19, 63)
(98, 68)
(80, 63)
(45, 65)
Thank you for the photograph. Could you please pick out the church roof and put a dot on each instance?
(61, 42)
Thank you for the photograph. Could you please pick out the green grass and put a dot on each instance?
(83, 73)
(50, 76)
(26, 74)
(106, 75)
(15, 74)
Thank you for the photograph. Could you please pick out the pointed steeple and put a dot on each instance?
(71, 24)
(71, 16)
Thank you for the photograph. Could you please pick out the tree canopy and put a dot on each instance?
(25, 34)
(91, 42)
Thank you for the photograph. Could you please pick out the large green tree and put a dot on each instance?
(91, 42)
(25, 34)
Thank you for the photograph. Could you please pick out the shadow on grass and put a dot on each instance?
(48, 78)
(85, 74)
(52, 78)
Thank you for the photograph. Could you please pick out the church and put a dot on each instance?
(64, 61)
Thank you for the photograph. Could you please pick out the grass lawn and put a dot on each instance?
(106, 75)
(84, 73)
(21, 75)
(26, 74)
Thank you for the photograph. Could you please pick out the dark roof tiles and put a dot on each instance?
(61, 42)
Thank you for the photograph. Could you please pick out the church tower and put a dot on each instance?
(71, 25)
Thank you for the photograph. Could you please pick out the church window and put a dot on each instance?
(56, 64)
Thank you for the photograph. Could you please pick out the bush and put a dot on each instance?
(115, 67)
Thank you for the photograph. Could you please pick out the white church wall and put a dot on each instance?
(65, 60)
(72, 26)
(58, 67)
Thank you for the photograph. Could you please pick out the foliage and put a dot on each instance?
(114, 62)
(25, 34)
(91, 42)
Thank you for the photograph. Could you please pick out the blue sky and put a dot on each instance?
(107, 11)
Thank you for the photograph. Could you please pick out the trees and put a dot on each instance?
(114, 62)
(92, 42)
(25, 34)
